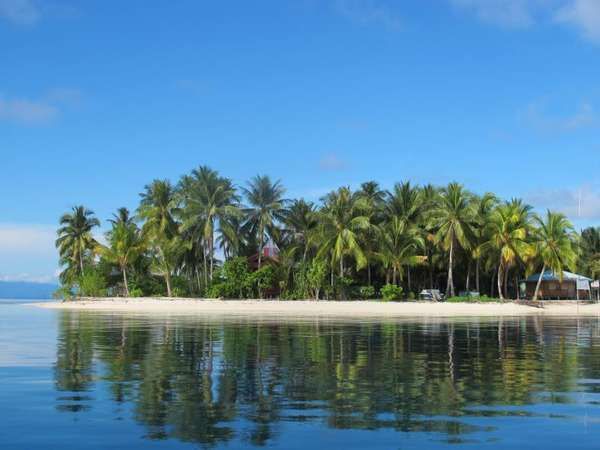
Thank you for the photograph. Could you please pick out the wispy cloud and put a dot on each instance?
(583, 15)
(21, 12)
(332, 162)
(581, 203)
(30, 239)
(367, 12)
(29, 278)
(537, 116)
(38, 111)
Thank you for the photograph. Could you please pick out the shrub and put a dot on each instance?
(411, 295)
(315, 277)
(263, 279)
(92, 284)
(470, 299)
(391, 292)
(367, 292)
(136, 292)
(64, 292)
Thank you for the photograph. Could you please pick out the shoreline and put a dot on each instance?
(322, 308)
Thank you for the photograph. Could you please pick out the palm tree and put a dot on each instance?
(122, 216)
(158, 206)
(453, 219)
(554, 242)
(484, 206)
(265, 210)
(75, 240)
(125, 245)
(508, 231)
(399, 246)
(373, 198)
(342, 221)
(590, 251)
(301, 223)
(208, 198)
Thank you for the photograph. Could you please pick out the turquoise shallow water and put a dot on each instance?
(97, 381)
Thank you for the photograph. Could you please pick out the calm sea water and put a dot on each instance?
(97, 381)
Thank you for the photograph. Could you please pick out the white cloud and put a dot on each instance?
(29, 239)
(22, 12)
(29, 278)
(366, 12)
(40, 111)
(539, 118)
(584, 15)
(27, 111)
(331, 161)
(578, 204)
(510, 13)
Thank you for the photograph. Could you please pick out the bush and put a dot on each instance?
(411, 295)
(64, 292)
(367, 292)
(136, 292)
(92, 284)
(391, 292)
(263, 279)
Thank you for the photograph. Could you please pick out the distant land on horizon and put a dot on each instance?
(26, 290)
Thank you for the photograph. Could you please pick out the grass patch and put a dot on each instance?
(482, 299)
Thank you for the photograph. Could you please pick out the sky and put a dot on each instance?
(97, 99)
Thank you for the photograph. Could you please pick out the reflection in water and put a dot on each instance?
(215, 381)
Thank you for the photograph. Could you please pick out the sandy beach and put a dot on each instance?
(308, 308)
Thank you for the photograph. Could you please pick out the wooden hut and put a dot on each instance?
(571, 287)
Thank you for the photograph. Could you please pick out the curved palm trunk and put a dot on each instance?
(124, 270)
(499, 280)
(168, 282)
(450, 283)
(477, 264)
(539, 283)
(260, 245)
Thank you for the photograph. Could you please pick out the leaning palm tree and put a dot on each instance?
(453, 219)
(265, 208)
(75, 241)
(125, 245)
(207, 199)
(555, 245)
(158, 207)
(342, 222)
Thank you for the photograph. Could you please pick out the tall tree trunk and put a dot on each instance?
(477, 264)
(539, 283)
(468, 283)
(493, 279)
(450, 281)
(369, 274)
(505, 281)
(499, 280)
(205, 265)
(81, 262)
(408, 278)
(211, 246)
(260, 245)
(394, 275)
(168, 281)
(125, 281)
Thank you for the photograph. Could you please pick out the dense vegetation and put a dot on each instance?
(206, 237)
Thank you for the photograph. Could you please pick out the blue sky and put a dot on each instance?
(99, 98)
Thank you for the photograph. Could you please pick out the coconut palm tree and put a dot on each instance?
(342, 222)
(509, 229)
(453, 219)
(265, 208)
(373, 197)
(301, 222)
(400, 246)
(484, 206)
(122, 216)
(158, 207)
(207, 199)
(590, 251)
(125, 245)
(554, 245)
(75, 242)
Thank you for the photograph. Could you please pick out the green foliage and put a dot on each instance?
(92, 284)
(391, 292)
(411, 295)
(64, 292)
(136, 292)
(470, 299)
(317, 272)
(367, 292)
(233, 280)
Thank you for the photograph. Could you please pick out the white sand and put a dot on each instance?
(308, 308)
